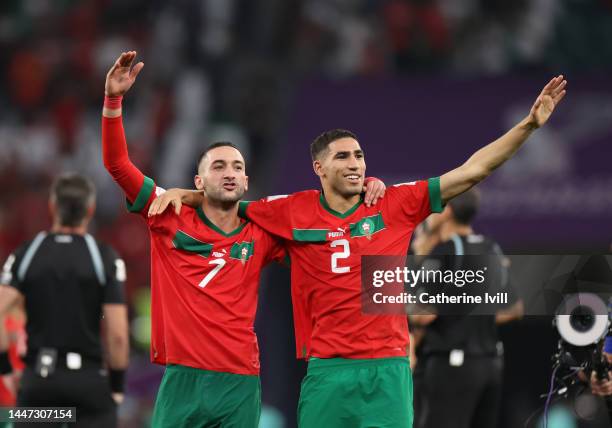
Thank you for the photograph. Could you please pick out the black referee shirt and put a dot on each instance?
(65, 279)
(476, 335)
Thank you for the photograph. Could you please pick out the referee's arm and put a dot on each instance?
(115, 322)
(116, 335)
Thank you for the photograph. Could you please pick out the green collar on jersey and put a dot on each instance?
(336, 213)
(210, 224)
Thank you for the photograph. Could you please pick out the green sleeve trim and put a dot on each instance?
(310, 235)
(242, 209)
(435, 195)
(143, 196)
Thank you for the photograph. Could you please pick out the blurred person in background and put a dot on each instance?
(14, 328)
(603, 387)
(69, 283)
(458, 377)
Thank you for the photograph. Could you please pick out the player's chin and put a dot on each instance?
(232, 196)
(352, 189)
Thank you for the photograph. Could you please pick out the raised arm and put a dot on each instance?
(486, 160)
(119, 79)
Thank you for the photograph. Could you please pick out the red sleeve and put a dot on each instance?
(277, 252)
(139, 190)
(272, 214)
(412, 202)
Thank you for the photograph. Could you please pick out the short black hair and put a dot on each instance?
(325, 139)
(465, 206)
(72, 194)
(214, 146)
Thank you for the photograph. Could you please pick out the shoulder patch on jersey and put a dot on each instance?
(7, 275)
(183, 241)
(120, 271)
(367, 226)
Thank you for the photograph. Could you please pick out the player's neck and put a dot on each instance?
(223, 215)
(451, 228)
(69, 230)
(339, 203)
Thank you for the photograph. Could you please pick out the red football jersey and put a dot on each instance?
(325, 248)
(204, 285)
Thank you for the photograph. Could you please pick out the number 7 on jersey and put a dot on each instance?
(210, 275)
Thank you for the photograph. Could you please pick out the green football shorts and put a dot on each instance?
(190, 397)
(365, 393)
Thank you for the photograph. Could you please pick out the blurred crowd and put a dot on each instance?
(226, 70)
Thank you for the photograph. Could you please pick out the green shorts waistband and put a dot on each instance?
(196, 371)
(315, 363)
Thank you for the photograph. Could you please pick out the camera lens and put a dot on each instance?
(582, 318)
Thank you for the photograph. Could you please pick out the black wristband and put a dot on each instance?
(5, 363)
(117, 380)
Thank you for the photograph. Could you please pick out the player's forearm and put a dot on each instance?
(115, 153)
(493, 155)
(192, 198)
(486, 160)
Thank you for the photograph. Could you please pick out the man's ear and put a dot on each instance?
(199, 182)
(317, 167)
(246, 183)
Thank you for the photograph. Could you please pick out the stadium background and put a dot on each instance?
(422, 82)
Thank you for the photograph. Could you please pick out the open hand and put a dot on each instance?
(122, 75)
(545, 104)
(159, 204)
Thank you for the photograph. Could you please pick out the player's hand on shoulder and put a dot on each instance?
(374, 190)
(169, 197)
(122, 75)
(176, 198)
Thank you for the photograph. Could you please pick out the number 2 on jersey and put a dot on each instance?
(210, 275)
(344, 254)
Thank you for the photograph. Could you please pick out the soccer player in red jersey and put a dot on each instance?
(358, 372)
(205, 268)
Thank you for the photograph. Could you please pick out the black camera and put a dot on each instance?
(583, 322)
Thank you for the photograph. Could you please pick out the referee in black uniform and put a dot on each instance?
(72, 286)
(458, 376)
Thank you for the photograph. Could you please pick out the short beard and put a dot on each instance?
(218, 196)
